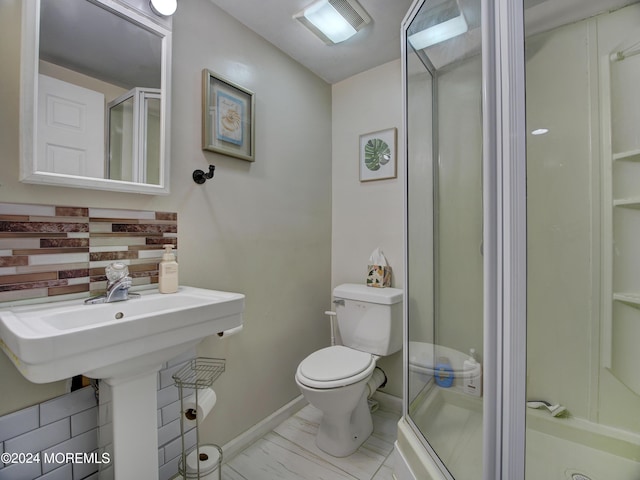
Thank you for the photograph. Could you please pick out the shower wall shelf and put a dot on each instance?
(630, 156)
(627, 202)
(632, 299)
(198, 374)
(620, 220)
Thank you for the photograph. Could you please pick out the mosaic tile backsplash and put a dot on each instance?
(48, 250)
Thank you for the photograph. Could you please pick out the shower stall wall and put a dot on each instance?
(522, 227)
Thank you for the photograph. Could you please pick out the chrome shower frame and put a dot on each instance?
(504, 239)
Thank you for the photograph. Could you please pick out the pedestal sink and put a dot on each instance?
(122, 343)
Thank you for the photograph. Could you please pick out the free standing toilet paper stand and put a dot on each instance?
(197, 375)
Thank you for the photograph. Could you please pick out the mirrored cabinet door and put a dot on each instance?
(95, 96)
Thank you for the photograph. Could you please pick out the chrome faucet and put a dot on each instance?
(118, 284)
(119, 290)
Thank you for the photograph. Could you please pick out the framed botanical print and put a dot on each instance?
(378, 156)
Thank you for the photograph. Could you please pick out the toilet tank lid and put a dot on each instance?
(362, 293)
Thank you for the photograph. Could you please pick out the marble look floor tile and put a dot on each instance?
(301, 429)
(386, 470)
(228, 473)
(274, 458)
(301, 425)
(385, 425)
(289, 452)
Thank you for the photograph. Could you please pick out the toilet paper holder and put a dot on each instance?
(198, 375)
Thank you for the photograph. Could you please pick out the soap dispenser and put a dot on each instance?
(168, 271)
(472, 375)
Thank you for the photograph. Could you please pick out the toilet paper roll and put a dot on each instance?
(208, 455)
(197, 413)
(230, 332)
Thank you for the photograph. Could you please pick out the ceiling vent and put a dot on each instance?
(334, 21)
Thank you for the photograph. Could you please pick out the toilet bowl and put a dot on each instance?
(339, 379)
(334, 380)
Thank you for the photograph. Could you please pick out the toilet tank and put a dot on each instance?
(369, 319)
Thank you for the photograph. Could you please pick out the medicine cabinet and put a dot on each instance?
(95, 96)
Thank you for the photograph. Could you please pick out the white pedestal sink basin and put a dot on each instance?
(123, 343)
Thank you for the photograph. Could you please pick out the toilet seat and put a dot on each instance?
(335, 366)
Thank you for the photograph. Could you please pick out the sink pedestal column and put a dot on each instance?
(134, 421)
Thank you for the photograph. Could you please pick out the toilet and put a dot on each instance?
(339, 379)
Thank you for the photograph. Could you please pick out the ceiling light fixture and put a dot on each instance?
(334, 21)
(443, 22)
(164, 8)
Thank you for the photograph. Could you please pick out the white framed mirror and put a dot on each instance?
(95, 96)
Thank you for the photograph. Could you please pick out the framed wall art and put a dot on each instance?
(378, 157)
(228, 117)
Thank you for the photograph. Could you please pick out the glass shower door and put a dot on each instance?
(133, 133)
(444, 233)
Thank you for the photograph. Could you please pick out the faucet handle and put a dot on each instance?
(116, 270)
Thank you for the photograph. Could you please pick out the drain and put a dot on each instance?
(579, 476)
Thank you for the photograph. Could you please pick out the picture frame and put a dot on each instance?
(378, 155)
(228, 117)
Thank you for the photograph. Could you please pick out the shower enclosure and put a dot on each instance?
(133, 133)
(522, 136)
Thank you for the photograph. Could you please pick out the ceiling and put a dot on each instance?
(378, 42)
(374, 45)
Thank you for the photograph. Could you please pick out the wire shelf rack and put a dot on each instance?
(197, 374)
(200, 372)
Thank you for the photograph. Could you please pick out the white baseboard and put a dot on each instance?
(387, 402)
(242, 441)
